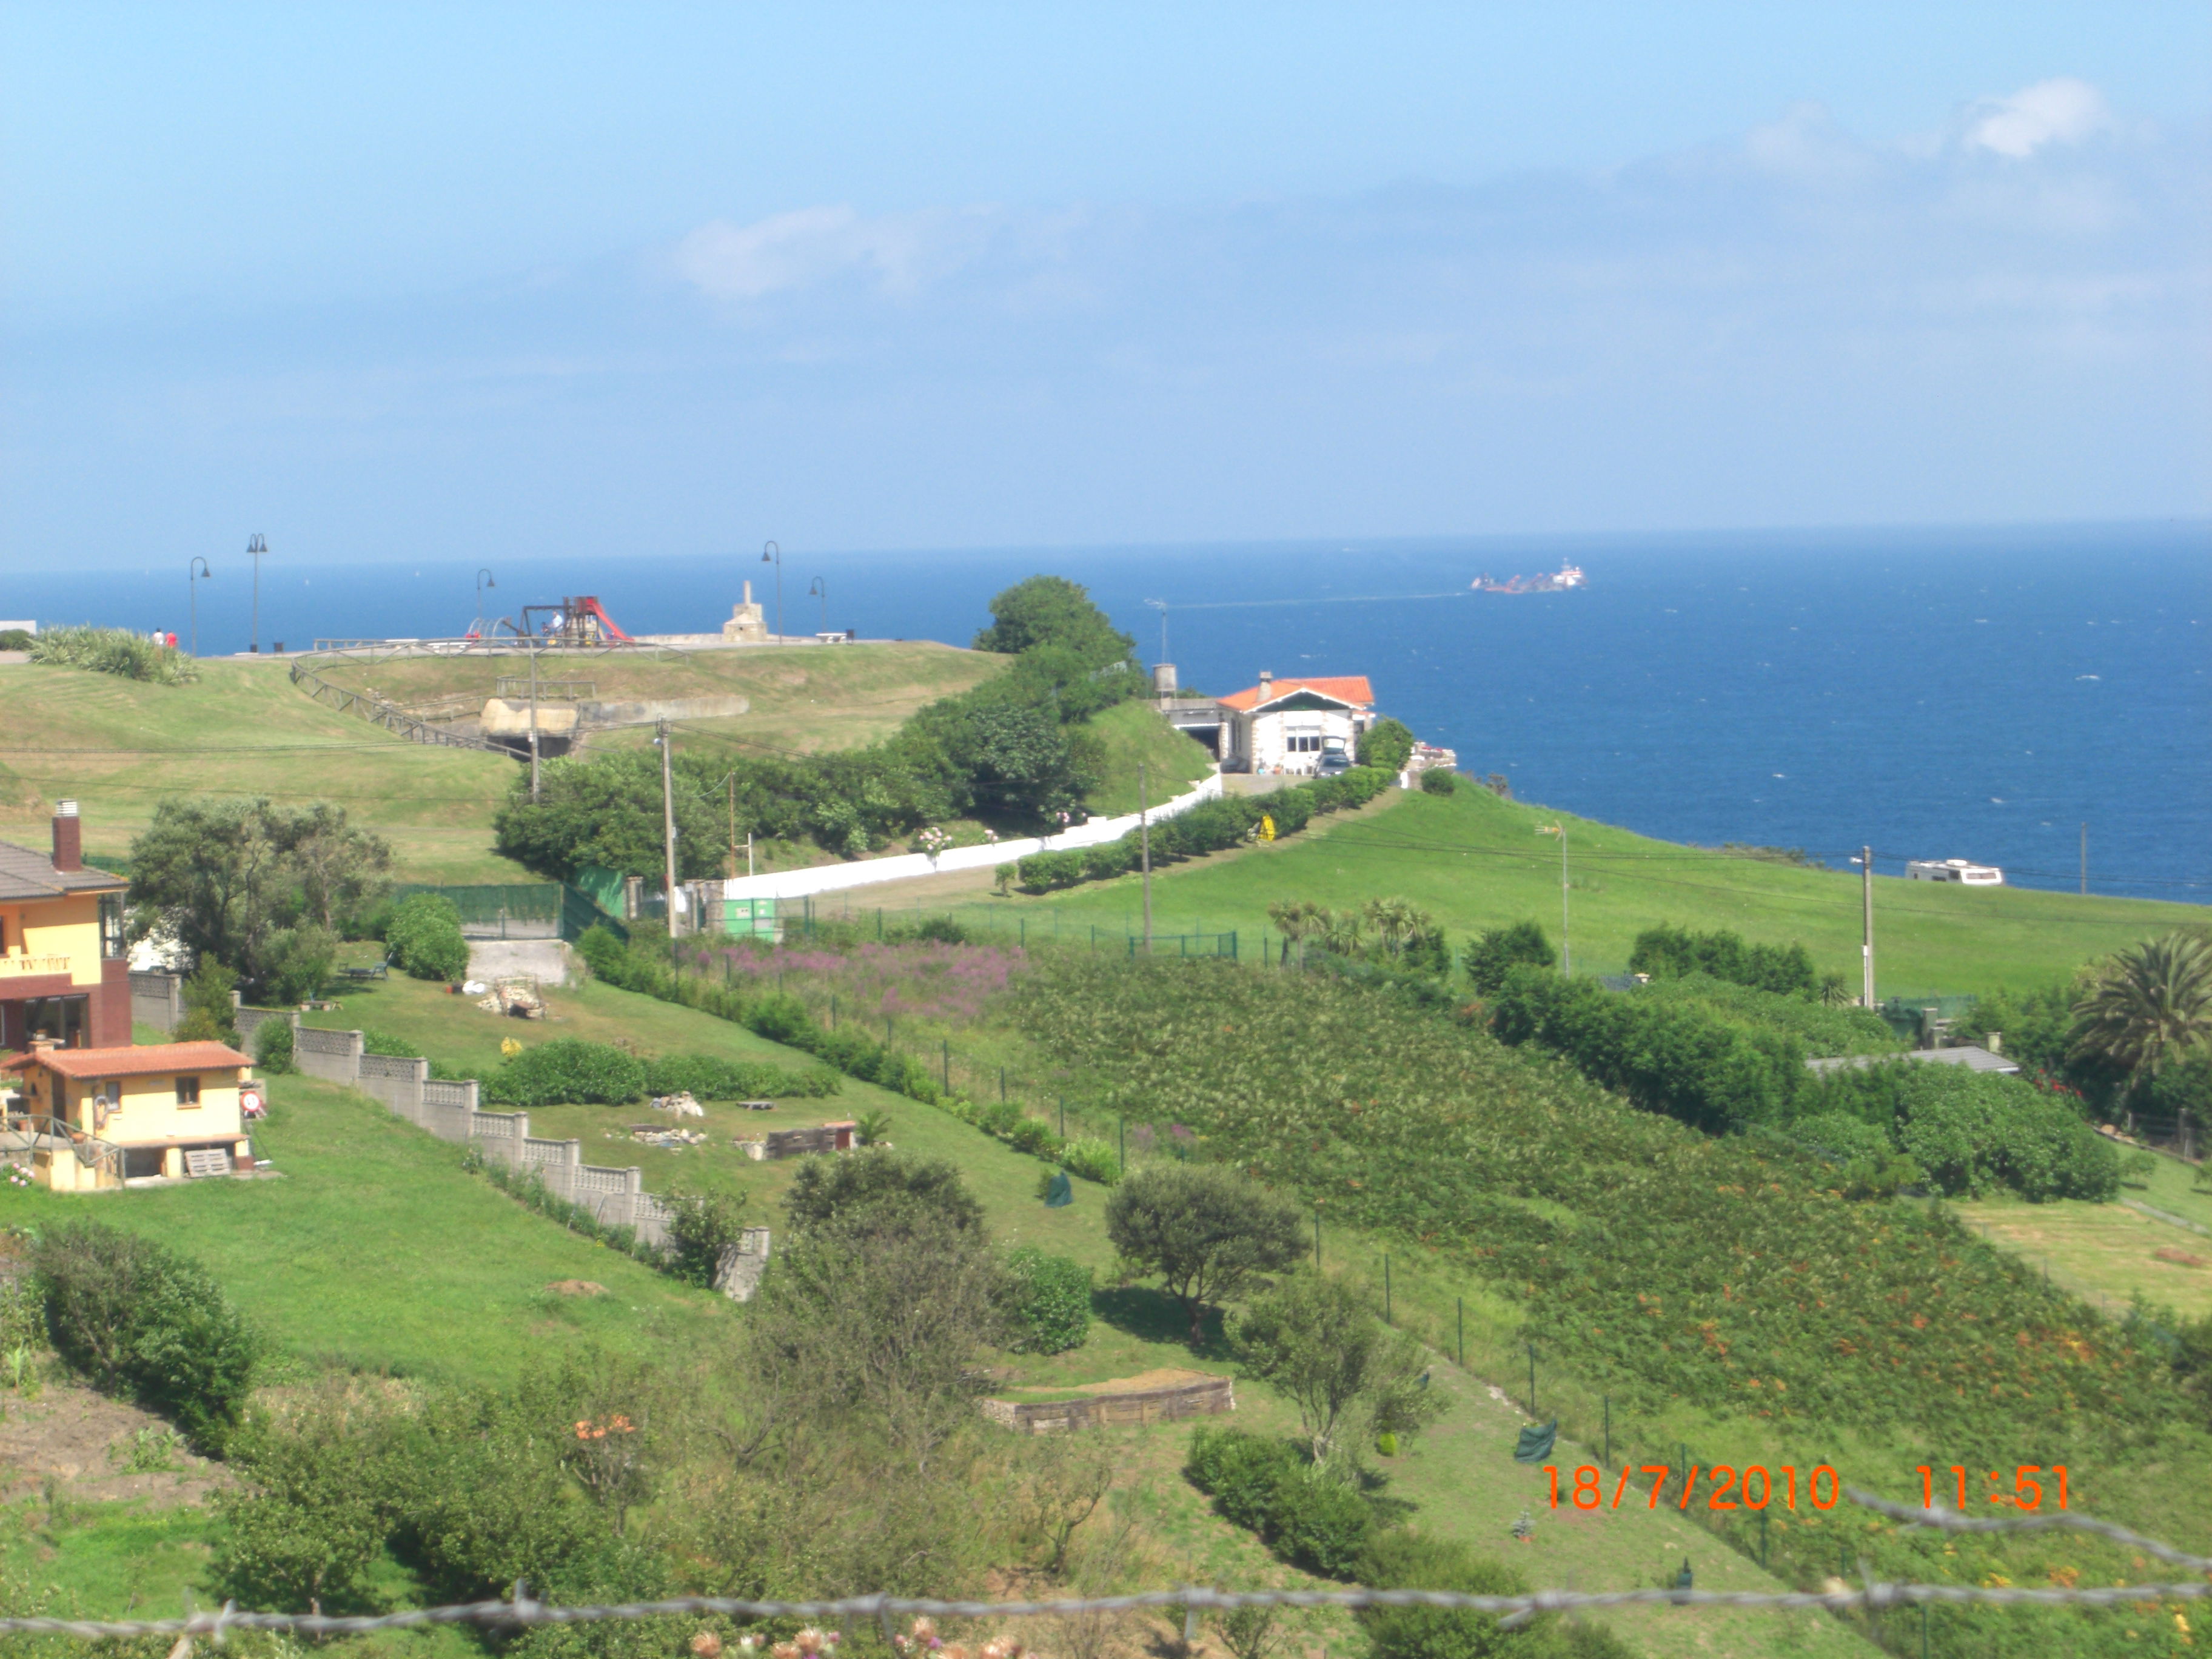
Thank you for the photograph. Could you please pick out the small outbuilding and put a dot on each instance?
(94, 1118)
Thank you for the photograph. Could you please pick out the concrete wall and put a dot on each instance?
(1209, 1398)
(157, 999)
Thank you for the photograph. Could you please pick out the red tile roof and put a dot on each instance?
(1343, 688)
(142, 1061)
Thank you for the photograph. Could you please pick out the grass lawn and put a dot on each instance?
(378, 1251)
(2104, 1253)
(1475, 861)
(1134, 733)
(118, 747)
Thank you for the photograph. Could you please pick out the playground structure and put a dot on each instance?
(580, 621)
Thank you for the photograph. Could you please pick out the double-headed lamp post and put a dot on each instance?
(1566, 947)
(771, 554)
(194, 572)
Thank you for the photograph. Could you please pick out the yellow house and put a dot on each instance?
(94, 1118)
(63, 967)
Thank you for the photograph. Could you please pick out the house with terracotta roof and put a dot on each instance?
(64, 959)
(93, 1118)
(1289, 725)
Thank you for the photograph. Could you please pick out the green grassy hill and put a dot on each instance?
(119, 746)
(1475, 861)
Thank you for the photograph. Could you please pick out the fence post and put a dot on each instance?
(1002, 1085)
(944, 1045)
(1459, 1302)
(1531, 1379)
(1608, 1431)
(1386, 1287)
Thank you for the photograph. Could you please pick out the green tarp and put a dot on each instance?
(1060, 1194)
(1536, 1444)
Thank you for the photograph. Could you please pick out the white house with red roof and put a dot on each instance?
(1291, 724)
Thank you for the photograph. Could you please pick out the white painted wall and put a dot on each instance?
(867, 872)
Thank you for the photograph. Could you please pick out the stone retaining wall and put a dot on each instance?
(1208, 1398)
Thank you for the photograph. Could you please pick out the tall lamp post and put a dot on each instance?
(771, 554)
(194, 572)
(256, 547)
(1161, 605)
(821, 586)
(483, 580)
(1566, 948)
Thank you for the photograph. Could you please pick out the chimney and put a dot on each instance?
(1994, 1042)
(1266, 685)
(69, 837)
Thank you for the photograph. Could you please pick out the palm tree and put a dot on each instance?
(1836, 992)
(2149, 1006)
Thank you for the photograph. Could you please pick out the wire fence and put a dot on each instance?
(1869, 1596)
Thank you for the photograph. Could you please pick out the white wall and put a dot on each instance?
(865, 872)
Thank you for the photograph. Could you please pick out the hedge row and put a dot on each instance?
(1670, 952)
(1208, 827)
(1673, 1058)
(570, 1071)
(782, 1017)
(1973, 1132)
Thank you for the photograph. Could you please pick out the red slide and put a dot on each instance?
(591, 606)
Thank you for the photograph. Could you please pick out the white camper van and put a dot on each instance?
(1958, 869)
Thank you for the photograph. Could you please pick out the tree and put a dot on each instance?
(606, 811)
(700, 1227)
(1503, 949)
(2149, 1006)
(1052, 611)
(424, 939)
(257, 888)
(1298, 920)
(1317, 1339)
(1205, 1229)
(1387, 743)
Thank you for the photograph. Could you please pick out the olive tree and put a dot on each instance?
(1204, 1229)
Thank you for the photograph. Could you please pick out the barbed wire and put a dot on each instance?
(1870, 1594)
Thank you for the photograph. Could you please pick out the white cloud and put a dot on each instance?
(900, 251)
(2063, 111)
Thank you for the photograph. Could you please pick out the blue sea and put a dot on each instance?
(1977, 693)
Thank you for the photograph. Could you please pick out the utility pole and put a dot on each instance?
(668, 820)
(1866, 949)
(533, 717)
(1145, 840)
(1566, 942)
(256, 547)
(732, 869)
(2085, 858)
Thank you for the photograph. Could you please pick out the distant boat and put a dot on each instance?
(1568, 576)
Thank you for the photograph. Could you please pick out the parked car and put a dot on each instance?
(1334, 758)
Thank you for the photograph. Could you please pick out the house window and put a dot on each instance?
(113, 942)
(1304, 744)
(188, 1091)
(64, 1019)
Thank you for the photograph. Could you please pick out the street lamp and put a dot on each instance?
(483, 580)
(771, 553)
(1566, 948)
(821, 586)
(257, 547)
(1161, 605)
(193, 572)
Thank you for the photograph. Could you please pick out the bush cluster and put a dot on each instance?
(570, 1072)
(1208, 827)
(117, 651)
(1973, 1132)
(1052, 1306)
(1669, 953)
(1306, 1515)
(423, 938)
(142, 1322)
(1823, 1030)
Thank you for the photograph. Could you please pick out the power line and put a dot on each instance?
(1870, 1596)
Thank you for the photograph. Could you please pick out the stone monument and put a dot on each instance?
(747, 625)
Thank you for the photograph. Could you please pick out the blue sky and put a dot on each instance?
(376, 280)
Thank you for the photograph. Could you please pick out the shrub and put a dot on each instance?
(1052, 1301)
(700, 1227)
(568, 1071)
(16, 639)
(881, 1181)
(1438, 781)
(1824, 1030)
(117, 651)
(1033, 1135)
(424, 938)
(373, 1041)
(1501, 949)
(1387, 743)
(1404, 1561)
(305, 1531)
(1310, 1519)
(301, 961)
(272, 1047)
(1090, 1158)
(140, 1322)
(210, 1006)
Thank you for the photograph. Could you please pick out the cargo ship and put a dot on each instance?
(1566, 577)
